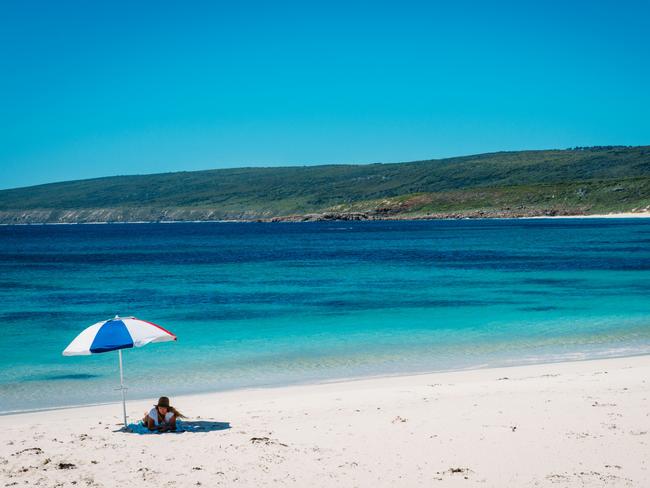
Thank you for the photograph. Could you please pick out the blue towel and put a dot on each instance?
(182, 426)
(140, 428)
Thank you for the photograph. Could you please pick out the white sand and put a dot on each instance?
(619, 215)
(579, 424)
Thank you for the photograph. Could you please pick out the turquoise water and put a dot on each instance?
(267, 304)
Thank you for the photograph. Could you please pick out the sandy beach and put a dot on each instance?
(615, 215)
(567, 424)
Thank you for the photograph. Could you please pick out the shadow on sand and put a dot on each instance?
(203, 425)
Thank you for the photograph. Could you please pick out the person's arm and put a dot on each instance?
(172, 423)
(150, 423)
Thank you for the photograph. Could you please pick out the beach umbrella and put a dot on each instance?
(114, 335)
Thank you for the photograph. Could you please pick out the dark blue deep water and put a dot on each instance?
(267, 304)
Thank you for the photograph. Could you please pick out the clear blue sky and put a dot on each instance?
(94, 90)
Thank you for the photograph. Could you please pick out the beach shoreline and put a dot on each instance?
(307, 383)
(615, 215)
(579, 423)
(345, 218)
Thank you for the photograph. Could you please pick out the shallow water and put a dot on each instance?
(265, 304)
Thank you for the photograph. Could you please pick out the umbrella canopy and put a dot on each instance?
(117, 333)
(114, 335)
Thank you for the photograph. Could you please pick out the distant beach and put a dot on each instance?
(619, 215)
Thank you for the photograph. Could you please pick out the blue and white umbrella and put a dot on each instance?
(114, 335)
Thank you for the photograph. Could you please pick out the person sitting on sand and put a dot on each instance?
(162, 417)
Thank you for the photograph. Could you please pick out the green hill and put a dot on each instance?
(573, 181)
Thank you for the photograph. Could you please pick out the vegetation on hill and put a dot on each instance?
(579, 180)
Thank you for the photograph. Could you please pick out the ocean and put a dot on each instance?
(263, 304)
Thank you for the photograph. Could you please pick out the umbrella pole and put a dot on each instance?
(119, 353)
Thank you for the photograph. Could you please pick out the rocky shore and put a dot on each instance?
(473, 214)
(83, 216)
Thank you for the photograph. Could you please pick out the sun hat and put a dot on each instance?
(163, 402)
